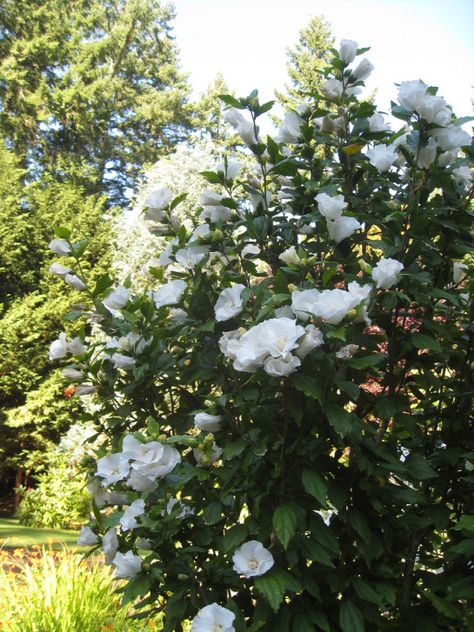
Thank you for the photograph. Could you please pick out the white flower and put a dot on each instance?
(58, 348)
(60, 247)
(76, 346)
(133, 342)
(427, 154)
(434, 110)
(332, 305)
(143, 543)
(250, 250)
(85, 389)
(362, 292)
(377, 123)
(128, 520)
(152, 459)
(190, 257)
(447, 157)
(225, 340)
(203, 457)
(213, 618)
(216, 214)
(290, 257)
(113, 468)
(459, 271)
(233, 117)
(451, 137)
(382, 156)
(208, 423)
(158, 199)
(141, 483)
(229, 303)
(117, 298)
(412, 93)
(247, 133)
(184, 510)
(462, 175)
(290, 128)
(69, 373)
(302, 303)
(313, 338)
(110, 545)
(347, 51)
(276, 337)
(122, 361)
(281, 367)
(332, 89)
(169, 294)
(363, 70)
(127, 565)
(229, 170)
(200, 233)
(57, 268)
(330, 207)
(252, 559)
(346, 352)
(257, 199)
(211, 198)
(103, 497)
(74, 281)
(342, 228)
(87, 537)
(385, 272)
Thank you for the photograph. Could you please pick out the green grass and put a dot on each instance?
(15, 535)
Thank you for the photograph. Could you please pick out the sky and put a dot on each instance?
(246, 40)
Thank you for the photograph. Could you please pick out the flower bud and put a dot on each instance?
(216, 235)
(162, 438)
(364, 266)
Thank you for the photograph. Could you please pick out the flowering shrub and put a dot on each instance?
(287, 411)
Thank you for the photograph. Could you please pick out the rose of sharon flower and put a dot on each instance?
(290, 257)
(110, 545)
(74, 281)
(152, 459)
(363, 70)
(276, 337)
(290, 128)
(87, 537)
(122, 361)
(60, 247)
(332, 89)
(208, 423)
(229, 303)
(281, 367)
(117, 298)
(342, 228)
(347, 51)
(385, 272)
(213, 618)
(330, 207)
(57, 268)
(302, 302)
(113, 468)
(58, 348)
(169, 294)
(127, 565)
(128, 520)
(312, 339)
(382, 157)
(192, 255)
(252, 559)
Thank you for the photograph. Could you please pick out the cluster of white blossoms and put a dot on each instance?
(226, 245)
(339, 226)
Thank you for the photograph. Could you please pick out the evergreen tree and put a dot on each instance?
(306, 61)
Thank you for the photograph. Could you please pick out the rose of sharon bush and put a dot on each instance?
(283, 411)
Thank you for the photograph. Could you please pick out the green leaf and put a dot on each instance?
(211, 177)
(62, 232)
(308, 385)
(320, 620)
(177, 200)
(315, 485)
(350, 617)
(444, 606)
(273, 585)
(365, 362)
(339, 419)
(284, 522)
(212, 513)
(265, 107)
(228, 99)
(136, 587)
(234, 537)
(233, 449)
(103, 283)
(365, 590)
(422, 341)
(466, 523)
(302, 623)
(359, 523)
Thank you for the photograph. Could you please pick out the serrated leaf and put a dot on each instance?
(444, 606)
(365, 362)
(211, 177)
(272, 586)
(234, 537)
(136, 587)
(365, 590)
(422, 341)
(315, 485)
(62, 232)
(309, 386)
(228, 99)
(465, 523)
(177, 200)
(233, 449)
(302, 623)
(350, 617)
(212, 513)
(321, 620)
(339, 419)
(284, 522)
(103, 283)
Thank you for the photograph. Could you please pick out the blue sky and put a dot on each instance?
(246, 40)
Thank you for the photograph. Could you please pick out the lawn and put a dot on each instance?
(15, 535)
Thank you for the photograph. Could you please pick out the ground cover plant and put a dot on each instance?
(285, 414)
